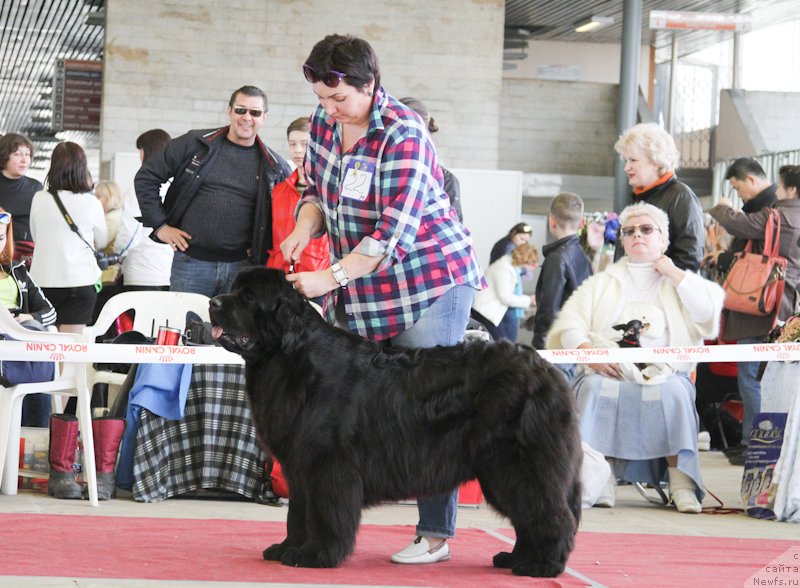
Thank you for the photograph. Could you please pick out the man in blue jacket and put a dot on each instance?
(217, 212)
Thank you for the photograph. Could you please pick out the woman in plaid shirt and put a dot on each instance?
(403, 268)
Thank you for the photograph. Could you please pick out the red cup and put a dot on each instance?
(168, 336)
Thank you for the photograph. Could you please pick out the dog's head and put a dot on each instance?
(632, 330)
(262, 313)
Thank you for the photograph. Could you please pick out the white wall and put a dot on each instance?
(491, 201)
(558, 127)
(173, 64)
(596, 62)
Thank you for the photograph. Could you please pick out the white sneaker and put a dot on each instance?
(685, 501)
(609, 496)
(419, 551)
(704, 441)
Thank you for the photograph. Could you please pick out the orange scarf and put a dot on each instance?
(663, 179)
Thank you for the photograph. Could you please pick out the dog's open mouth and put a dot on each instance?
(241, 342)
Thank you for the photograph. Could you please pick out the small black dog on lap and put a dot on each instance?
(355, 424)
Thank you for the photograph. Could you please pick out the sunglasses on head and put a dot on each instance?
(646, 229)
(5, 218)
(331, 79)
(254, 112)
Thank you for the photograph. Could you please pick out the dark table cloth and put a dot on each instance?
(213, 447)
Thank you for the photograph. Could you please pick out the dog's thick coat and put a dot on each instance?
(356, 423)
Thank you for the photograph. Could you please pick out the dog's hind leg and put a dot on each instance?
(544, 523)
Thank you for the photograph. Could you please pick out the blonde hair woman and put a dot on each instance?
(110, 196)
(651, 159)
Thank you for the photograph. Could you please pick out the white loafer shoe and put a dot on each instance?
(419, 551)
(685, 501)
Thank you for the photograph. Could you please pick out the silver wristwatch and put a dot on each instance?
(340, 275)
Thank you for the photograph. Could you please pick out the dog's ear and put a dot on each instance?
(289, 318)
(620, 327)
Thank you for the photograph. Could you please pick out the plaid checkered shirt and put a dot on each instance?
(386, 197)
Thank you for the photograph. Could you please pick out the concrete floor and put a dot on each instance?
(632, 514)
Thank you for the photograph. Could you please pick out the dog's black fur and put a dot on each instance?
(355, 423)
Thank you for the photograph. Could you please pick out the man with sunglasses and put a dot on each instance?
(216, 214)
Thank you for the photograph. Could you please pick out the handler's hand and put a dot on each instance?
(294, 244)
(313, 284)
(174, 236)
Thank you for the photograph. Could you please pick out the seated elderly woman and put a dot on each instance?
(642, 416)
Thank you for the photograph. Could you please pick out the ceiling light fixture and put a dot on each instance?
(592, 23)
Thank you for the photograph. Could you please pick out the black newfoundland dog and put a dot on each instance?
(355, 423)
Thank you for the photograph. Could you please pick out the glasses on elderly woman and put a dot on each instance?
(646, 229)
(330, 79)
(5, 218)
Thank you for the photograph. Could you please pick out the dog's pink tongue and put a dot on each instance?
(216, 332)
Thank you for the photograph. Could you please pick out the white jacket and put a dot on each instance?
(494, 301)
(144, 262)
(61, 259)
(592, 309)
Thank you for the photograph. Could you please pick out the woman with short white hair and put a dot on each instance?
(641, 415)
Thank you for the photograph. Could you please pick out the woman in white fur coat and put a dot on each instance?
(643, 417)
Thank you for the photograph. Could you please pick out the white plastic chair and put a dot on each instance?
(152, 308)
(70, 382)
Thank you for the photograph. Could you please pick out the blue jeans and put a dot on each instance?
(444, 323)
(203, 277)
(509, 325)
(749, 389)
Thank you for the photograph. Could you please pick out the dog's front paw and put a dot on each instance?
(300, 558)
(274, 552)
(504, 559)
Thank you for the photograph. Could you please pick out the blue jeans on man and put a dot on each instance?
(204, 277)
(749, 388)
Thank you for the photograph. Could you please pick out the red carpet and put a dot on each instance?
(230, 551)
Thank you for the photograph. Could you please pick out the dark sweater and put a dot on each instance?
(220, 219)
(15, 197)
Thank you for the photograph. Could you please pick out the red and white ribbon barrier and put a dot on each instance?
(693, 354)
(110, 353)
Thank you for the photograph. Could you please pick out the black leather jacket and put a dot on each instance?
(186, 160)
(686, 228)
(565, 267)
